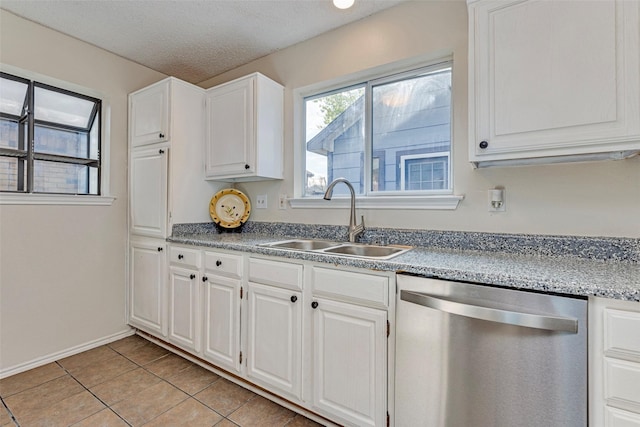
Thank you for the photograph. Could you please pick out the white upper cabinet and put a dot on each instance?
(148, 192)
(150, 121)
(244, 130)
(553, 79)
(167, 182)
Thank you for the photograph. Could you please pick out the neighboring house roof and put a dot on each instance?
(426, 96)
(322, 143)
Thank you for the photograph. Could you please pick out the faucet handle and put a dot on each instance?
(362, 221)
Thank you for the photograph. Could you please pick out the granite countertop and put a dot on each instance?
(614, 275)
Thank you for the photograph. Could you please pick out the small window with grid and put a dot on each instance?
(49, 139)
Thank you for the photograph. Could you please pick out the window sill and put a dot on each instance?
(440, 202)
(54, 199)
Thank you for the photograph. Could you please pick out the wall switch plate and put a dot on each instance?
(282, 202)
(261, 201)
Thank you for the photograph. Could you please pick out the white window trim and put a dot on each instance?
(105, 199)
(403, 161)
(383, 200)
(54, 199)
(430, 202)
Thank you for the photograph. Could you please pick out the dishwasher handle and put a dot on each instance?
(550, 323)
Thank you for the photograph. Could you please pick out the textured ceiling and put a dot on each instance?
(192, 39)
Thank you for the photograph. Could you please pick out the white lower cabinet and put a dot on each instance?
(222, 300)
(184, 301)
(222, 322)
(614, 370)
(349, 344)
(619, 418)
(274, 338)
(274, 326)
(349, 362)
(184, 298)
(314, 335)
(147, 284)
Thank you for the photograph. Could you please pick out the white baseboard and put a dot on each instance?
(12, 370)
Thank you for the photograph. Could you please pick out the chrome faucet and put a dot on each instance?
(354, 229)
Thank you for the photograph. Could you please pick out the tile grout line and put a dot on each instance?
(160, 378)
(189, 396)
(137, 365)
(97, 398)
(13, 418)
(194, 395)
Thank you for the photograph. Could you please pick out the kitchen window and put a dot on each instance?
(50, 139)
(389, 135)
(424, 171)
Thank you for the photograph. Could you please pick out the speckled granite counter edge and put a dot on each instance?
(594, 248)
(569, 274)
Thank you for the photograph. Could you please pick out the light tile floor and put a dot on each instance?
(133, 382)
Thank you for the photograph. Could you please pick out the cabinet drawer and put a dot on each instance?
(619, 418)
(622, 332)
(223, 263)
(621, 379)
(184, 256)
(282, 274)
(350, 286)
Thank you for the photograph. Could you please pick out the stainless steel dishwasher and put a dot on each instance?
(478, 356)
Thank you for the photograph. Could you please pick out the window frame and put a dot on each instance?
(28, 197)
(432, 199)
(435, 154)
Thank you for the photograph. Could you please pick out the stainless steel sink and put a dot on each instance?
(336, 248)
(303, 244)
(366, 251)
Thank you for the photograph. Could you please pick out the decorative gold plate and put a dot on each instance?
(229, 208)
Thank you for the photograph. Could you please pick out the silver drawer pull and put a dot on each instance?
(551, 323)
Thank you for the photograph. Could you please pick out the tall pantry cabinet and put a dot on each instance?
(166, 134)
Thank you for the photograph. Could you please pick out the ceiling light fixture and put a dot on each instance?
(343, 4)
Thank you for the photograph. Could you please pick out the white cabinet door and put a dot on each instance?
(147, 307)
(274, 338)
(614, 362)
(184, 308)
(149, 114)
(244, 131)
(619, 418)
(350, 362)
(148, 192)
(221, 317)
(553, 78)
(230, 129)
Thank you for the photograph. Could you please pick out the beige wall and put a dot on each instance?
(593, 199)
(62, 268)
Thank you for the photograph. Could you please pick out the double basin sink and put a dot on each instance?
(336, 248)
